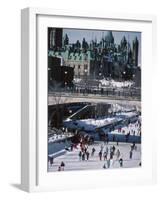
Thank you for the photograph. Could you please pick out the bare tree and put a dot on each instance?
(58, 99)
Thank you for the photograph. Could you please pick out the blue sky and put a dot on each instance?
(79, 34)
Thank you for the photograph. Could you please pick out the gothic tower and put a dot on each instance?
(135, 51)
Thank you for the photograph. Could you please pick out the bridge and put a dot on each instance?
(60, 98)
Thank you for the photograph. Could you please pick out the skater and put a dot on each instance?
(117, 154)
(134, 147)
(104, 166)
(71, 147)
(127, 137)
(105, 155)
(106, 139)
(107, 150)
(85, 149)
(93, 150)
(83, 156)
(108, 163)
(121, 162)
(111, 155)
(80, 155)
(113, 149)
(62, 165)
(82, 148)
(100, 155)
(87, 155)
(117, 141)
(59, 168)
(51, 161)
(131, 154)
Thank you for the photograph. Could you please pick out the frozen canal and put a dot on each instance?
(72, 161)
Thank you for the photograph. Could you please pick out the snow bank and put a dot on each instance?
(56, 138)
(117, 84)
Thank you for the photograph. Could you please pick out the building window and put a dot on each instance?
(85, 66)
(85, 57)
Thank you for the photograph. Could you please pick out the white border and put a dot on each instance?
(34, 167)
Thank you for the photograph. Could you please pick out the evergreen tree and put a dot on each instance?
(78, 44)
(66, 40)
(84, 44)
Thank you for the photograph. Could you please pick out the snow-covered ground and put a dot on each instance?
(92, 124)
(72, 162)
(133, 128)
(115, 107)
(109, 83)
(116, 84)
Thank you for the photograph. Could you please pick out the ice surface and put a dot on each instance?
(72, 162)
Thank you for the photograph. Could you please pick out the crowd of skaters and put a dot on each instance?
(106, 153)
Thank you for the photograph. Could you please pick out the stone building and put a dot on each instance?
(94, 59)
(80, 62)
